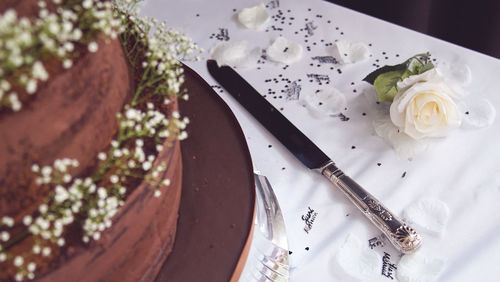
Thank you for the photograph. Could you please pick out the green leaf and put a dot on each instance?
(370, 78)
(386, 84)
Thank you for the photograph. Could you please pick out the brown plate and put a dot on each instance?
(218, 192)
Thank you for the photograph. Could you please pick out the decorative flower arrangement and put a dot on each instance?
(424, 104)
(90, 201)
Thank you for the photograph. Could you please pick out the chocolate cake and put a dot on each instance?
(76, 120)
(73, 116)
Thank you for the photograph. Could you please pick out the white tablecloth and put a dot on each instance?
(460, 170)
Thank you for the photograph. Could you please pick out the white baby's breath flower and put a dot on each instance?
(35, 168)
(139, 143)
(19, 276)
(131, 164)
(117, 153)
(61, 242)
(101, 192)
(87, 4)
(61, 194)
(146, 165)
(46, 251)
(114, 179)
(18, 261)
(39, 72)
(4, 236)
(31, 86)
(183, 135)
(46, 170)
(102, 156)
(43, 208)
(27, 220)
(31, 267)
(15, 104)
(67, 63)
(166, 182)
(157, 193)
(3, 257)
(36, 249)
(93, 47)
(7, 220)
(67, 178)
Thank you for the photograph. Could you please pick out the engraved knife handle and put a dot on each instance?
(402, 236)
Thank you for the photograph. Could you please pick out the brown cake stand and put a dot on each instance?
(218, 192)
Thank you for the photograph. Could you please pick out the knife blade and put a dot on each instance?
(403, 237)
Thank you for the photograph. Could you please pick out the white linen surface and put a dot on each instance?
(460, 170)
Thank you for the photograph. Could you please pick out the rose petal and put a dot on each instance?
(254, 17)
(352, 52)
(478, 113)
(404, 146)
(284, 51)
(354, 261)
(419, 268)
(430, 75)
(428, 214)
(457, 72)
(328, 101)
(234, 53)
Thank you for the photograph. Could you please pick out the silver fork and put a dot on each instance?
(268, 256)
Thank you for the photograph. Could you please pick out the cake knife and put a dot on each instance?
(404, 238)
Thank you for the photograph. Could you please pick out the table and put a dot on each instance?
(460, 170)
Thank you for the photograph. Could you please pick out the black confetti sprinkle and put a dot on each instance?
(342, 117)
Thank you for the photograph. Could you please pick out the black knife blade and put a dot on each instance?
(289, 135)
(402, 236)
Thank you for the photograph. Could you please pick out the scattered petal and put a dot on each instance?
(477, 113)
(254, 17)
(352, 52)
(457, 72)
(429, 215)
(404, 145)
(354, 261)
(329, 101)
(284, 51)
(234, 53)
(419, 268)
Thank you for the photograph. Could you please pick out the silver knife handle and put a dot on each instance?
(402, 236)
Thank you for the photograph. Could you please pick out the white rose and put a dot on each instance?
(424, 106)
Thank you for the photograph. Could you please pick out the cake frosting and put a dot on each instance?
(67, 202)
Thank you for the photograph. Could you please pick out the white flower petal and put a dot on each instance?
(254, 17)
(478, 113)
(352, 52)
(234, 53)
(456, 72)
(430, 75)
(429, 215)
(284, 51)
(404, 146)
(329, 101)
(419, 268)
(354, 261)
